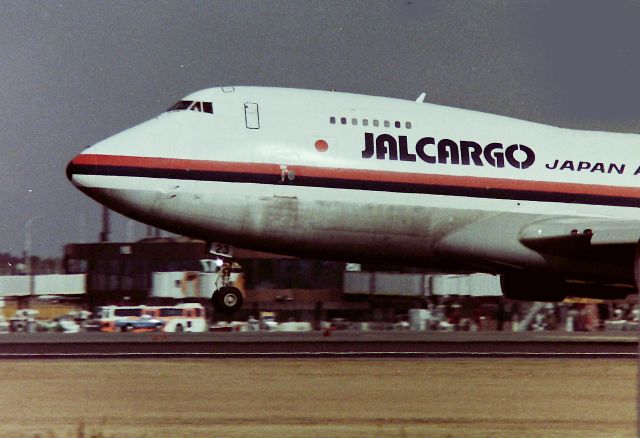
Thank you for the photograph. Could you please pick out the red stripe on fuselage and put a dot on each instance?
(359, 175)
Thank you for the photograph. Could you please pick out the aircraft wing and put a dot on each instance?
(573, 231)
(611, 244)
(572, 239)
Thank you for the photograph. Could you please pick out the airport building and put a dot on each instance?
(165, 271)
(161, 270)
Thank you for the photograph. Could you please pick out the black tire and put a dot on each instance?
(179, 328)
(227, 300)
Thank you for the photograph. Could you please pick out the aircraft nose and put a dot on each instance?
(70, 170)
(77, 167)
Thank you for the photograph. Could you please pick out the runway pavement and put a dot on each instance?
(304, 398)
(348, 344)
(307, 385)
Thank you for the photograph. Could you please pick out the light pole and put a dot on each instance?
(27, 253)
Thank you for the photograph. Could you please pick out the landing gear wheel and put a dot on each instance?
(227, 300)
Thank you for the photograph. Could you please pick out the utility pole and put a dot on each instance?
(27, 254)
(106, 227)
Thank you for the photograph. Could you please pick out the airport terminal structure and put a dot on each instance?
(167, 270)
(171, 270)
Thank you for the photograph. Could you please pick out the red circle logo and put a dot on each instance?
(321, 145)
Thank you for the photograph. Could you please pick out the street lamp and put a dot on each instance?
(27, 252)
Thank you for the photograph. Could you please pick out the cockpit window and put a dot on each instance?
(181, 106)
(190, 105)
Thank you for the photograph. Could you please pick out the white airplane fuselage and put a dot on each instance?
(361, 178)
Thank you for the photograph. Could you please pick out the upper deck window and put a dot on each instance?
(185, 105)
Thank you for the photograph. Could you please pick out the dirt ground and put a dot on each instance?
(318, 398)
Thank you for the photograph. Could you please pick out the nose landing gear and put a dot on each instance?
(226, 299)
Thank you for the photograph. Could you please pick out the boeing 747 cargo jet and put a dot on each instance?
(359, 178)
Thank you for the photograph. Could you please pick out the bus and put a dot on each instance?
(184, 317)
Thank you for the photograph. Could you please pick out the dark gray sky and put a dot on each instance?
(75, 72)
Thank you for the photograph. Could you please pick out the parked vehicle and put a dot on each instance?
(125, 319)
(68, 325)
(186, 317)
(4, 325)
(24, 320)
(268, 321)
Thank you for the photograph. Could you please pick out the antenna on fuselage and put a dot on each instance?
(420, 98)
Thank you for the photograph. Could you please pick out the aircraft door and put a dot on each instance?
(251, 115)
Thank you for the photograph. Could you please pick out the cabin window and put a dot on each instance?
(333, 120)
